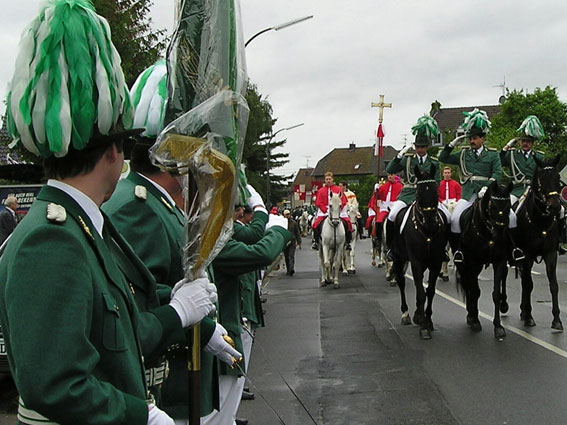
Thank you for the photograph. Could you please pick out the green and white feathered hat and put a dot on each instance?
(149, 96)
(425, 130)
(531, 129)
(68, 89)
(476, 123)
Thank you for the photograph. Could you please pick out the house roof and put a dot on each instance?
(304, 176)
(452, 118)
(352, 161)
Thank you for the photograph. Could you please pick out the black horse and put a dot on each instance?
(422, 243)
(538, 236)
(485, 240)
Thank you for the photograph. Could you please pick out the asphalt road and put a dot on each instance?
(340, 356)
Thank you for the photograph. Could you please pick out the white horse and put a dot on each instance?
(304, 223)
(348, 256)
(332, 243)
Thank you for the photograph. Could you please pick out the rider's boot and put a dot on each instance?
(455, 242)
(316, 237)
(517, 253)
(562, 236)
(390, 232)
(348, 237)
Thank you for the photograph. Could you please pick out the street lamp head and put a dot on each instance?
(293, 22)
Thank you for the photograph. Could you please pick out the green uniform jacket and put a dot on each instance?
(523, 172)
(479, 170)
(407, 166)
(155, 229)
(73, 331)
(235, 259)
(250, 234)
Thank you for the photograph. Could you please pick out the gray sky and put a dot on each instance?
(325, 72)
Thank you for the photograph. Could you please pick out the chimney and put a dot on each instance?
(351, 147)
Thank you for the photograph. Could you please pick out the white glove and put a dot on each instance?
(193, 300)
(217, 346)
(404, 150)
(482, 191)
(255, 200)
(510, 144)
(457, 141)
(376, 186)
(276, 220)
(158, 417)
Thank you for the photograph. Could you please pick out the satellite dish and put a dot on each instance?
(501, 99)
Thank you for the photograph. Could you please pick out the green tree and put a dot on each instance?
(138, 44)
(543, 103)
(255, 158)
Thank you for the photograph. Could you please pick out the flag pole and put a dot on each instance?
(380, 132)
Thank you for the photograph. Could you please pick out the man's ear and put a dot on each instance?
(111, 154)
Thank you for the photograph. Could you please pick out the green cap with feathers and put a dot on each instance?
(531, 129)
(425, 130)
(476, 123)
(68, 88)
(149, 96)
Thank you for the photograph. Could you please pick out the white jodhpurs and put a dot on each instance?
(396, 208)
(463, 204)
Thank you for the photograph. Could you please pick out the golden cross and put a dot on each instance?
(381, 105)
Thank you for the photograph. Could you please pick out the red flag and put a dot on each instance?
(380, 141)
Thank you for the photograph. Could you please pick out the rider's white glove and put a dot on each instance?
(193, 300)
(217, 346)
(158, 417)
(254, 200)
(276, 220)
(376, 186)
(510, 144)
(482, 191)
(404, 150)
(457, 141)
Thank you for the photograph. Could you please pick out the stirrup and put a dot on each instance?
(518, 254)
(458, 256)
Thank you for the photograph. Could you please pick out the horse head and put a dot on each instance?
(495, 208)
(335, 208)
(427, 199)
(546, 185)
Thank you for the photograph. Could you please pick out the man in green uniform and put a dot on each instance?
(522, 165)
(235, 259)
(479, 166)
(144, 210)
(425, 130)
(75, 337)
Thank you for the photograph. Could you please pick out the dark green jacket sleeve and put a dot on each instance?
(254, 231)
(238, 258)
(395, 166)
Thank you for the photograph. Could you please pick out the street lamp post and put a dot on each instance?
(278, 27)
(272, 135)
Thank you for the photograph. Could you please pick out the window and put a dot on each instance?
(356, 166)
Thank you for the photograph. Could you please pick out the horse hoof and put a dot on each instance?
(345, 271)
(445, 278)
(380, 265)
(406, 320)
(557, 325)
(528, 320)
(352, 271)
(336, 285)
(476, 326)
(374, 263)
(393, 283)
(499, 333)
(425, 334)
(322, 283)
(504, 307)
(418, 319)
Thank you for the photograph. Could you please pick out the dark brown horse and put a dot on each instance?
(538, 236)
(485, 240)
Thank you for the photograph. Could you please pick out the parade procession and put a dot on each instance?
(157, 269)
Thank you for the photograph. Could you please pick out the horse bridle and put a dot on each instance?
(541, 197)
(418, 216)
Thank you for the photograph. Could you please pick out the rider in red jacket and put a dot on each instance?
(382, 197)
(322, 203)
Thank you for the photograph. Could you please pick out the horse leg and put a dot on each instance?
(473, 294)
(398, 273)
(337, 255)
(417, 272)
(527, 288)
(498, 266)
(430, 293)
(322, 265)
(550, 269)
(504, 307)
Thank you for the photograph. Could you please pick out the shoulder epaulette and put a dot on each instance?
(410, 154)
(492, 149)
(541, 152)
(56, 213)
(141, 192)
(434, 158)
